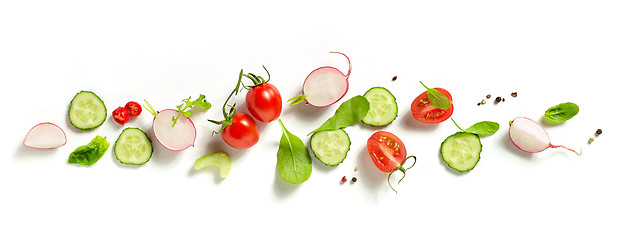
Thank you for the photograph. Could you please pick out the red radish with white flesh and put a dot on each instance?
(173, 137)
(324, 86)
(529, 136)
(45, 136)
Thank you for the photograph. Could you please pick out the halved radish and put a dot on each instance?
(529, 136)
(45, 136)
(173, 137)
(324, 86)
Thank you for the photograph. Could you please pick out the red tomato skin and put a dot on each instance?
(264, 102)
(423, 111)
(120, 115)
(242, 133)
(387, 151)
(134, 109)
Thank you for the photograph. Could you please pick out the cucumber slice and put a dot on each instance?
(383, 107)
(133, 147)
(461, 151)
(330, 147)
(87, 111)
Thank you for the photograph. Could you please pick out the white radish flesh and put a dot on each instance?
(176, 138)
(529, 136)
(326, 85)
(45, 136)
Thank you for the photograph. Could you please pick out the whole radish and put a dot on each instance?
(324, 86)
(529, 136)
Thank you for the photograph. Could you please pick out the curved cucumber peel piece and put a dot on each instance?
(461, 151)
(220, 159)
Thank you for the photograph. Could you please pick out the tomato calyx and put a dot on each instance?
(228, 115)
(257, 80)
(403, 170)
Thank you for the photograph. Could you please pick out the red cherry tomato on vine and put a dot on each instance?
(120, 115)
(134, 109)
(242, 133)
(264, 102)
(425, 112)
(388, 153)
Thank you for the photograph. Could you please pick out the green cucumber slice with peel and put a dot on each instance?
(383, 107)
(461, 151)
(87, 111)
(330, 147)
(133, 147)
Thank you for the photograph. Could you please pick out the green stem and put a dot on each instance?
(403, 170)
(457, 125)
(150, 108)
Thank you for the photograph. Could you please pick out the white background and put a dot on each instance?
(164, 51)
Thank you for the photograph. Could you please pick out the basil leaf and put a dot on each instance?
(347, 114)
(89, 154)
(438, 99)
(293, 160)
(483, 128)
(562, 112)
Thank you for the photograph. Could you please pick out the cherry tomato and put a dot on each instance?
(264, 102)
(242, 133)
(134, 109)
(120, 115)
(388, 153)
(425, 112)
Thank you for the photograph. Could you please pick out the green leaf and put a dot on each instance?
(293, 160)
(89, 154)
(349, 113)
(437, 98)
(483, 128)
(562, 112)
(184, 108)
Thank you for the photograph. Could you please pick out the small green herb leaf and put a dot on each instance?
(437, 98)
(562, 112)
(349, 113)
(293, 160)
(480, 128)
(184, 108)
(89, 154)
(483, 128)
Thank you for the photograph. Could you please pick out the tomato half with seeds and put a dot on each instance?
(242, 133)
(424, 111)
(264, 102)
(388, 153)
(121, 115)
(134, 109)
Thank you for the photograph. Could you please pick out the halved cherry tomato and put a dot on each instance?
(134, 109)
(264, 102)
(120, 115)
(425, 112)
(242, 133)
(388, 153)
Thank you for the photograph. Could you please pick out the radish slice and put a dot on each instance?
(529, 136)
(176, 138)
(45, 136)
(324, 86)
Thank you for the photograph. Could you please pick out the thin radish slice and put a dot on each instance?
(529, 136)
(45, 136)
(324, 86)
(178, 137)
